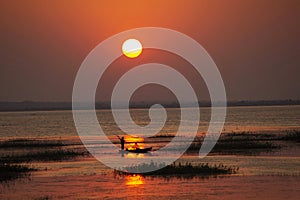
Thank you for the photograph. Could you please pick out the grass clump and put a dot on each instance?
(13, 171)
(241, 143)
(49, 155)
(178, 169)
(162, 136)
(43, 198)
(292, 136)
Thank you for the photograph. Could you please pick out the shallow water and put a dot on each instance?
(106, 187)
(272, 175)
(258, 178)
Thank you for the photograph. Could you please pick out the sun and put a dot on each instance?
(132, 48)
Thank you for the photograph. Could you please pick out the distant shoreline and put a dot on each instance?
(52, 106)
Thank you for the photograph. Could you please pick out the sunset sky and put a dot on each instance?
(255, 44)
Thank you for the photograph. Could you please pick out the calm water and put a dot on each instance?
(267, 176)
(60, 123)
(259, 178)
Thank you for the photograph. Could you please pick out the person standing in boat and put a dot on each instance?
(122, 140)
(136, 146)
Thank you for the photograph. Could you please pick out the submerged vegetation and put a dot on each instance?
(178, 169)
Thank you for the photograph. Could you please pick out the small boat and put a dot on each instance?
(139, 150)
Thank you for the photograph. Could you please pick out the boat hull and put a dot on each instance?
(138, 150)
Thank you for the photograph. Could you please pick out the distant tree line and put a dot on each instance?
(35, 106)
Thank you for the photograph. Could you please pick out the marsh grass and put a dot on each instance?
(178, 169)
(48, 155)
(13, 171)
(28, 143)
(162, 136)
(292, 136)
(10, 167)
(284, 136)
(241, 143)
(43, 198)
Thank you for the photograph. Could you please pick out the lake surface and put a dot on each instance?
(61, 124)
(273, 175)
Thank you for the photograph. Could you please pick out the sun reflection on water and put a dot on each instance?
(133, 139)
(135, 155)
(134, 180)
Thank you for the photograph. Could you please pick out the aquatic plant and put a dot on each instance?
(13, 171)
(243, 143)
(292, 136)
(178, 169)
(43, 198)
(49, 155)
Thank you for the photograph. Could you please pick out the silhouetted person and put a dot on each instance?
(136, 145)
(122, 140)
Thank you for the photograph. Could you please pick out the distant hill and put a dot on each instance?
(35, 106)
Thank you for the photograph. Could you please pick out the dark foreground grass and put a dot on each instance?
(49, 155)
(13, 171)
(178, 169)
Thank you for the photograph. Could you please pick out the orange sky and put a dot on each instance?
(255, 44)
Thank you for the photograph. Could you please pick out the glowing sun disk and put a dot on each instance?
(132, 48)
